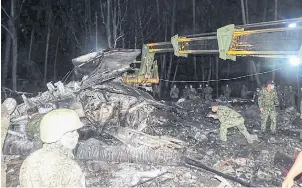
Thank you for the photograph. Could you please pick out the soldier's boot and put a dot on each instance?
(246, 134)
(223, 134)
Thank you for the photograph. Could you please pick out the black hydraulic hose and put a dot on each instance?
(198, 164)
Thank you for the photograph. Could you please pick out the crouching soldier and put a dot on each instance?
(230, 118)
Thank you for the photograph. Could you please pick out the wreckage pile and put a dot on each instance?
(129, 139)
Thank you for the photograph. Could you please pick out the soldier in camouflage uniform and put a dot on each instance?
(174, 93)
(54, 165)
(230, 118)
(256, 96)
(192, 92)
(227, 92)
(244, 92)
(285, 93)
(208, 92)
(7, 107)
(290, 96)
(156, 91)
(185, 92)
(280, 94)
(268, 100)
(200, 91)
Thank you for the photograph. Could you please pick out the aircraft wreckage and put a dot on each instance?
(124, 124)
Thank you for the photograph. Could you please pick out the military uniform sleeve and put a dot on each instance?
(72, 175)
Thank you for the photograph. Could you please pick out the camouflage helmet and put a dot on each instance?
(58, 122)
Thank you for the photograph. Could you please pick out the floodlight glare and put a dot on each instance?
(292, 25)
(295, 60)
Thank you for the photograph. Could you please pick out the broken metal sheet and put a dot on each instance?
(97, 63)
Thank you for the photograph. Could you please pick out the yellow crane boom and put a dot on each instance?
(275, 39)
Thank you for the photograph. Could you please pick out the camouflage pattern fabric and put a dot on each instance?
(230, 118)
(174, 93)
(5, 118)
(268, 100)
(51, 166)
(208, 93)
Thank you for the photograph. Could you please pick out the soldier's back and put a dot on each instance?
(228, 111)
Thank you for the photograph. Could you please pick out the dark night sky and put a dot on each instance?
(70, 20)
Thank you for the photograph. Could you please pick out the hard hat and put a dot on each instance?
(58, 122)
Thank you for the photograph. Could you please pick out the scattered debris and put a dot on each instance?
(128, 134)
